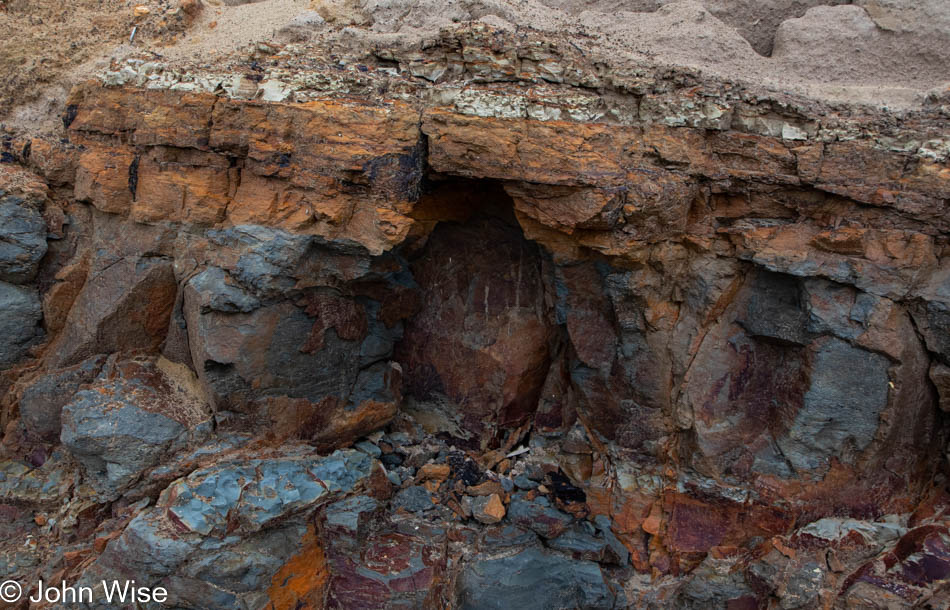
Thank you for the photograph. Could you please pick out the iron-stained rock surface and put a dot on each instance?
(479, 321)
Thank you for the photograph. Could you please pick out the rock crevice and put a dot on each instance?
(453, 328)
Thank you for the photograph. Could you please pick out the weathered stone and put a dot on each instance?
(580, 543)
(919, 559)
(347, 521)
(20, 315)
(127, 298)
(414, 499)
(316, 367)
(22, 238)
(215, 293)
(104, 178)
(621, 383)
(393, 570)
(232, 532)
(42, 401)
(180, 186)
(482, 347)
(712, 586)
(128, 419)
(538, 515)
(835, 416)
(940, 375)
(250, 495)
(933, 319)
(533, 578)
(827, 399)
(488, 509)
(47, 485)
(731, 320)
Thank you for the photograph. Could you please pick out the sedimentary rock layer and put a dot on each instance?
(716, 320)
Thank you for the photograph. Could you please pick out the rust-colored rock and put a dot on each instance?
(693, 334)
(301, 582)
(481, 345)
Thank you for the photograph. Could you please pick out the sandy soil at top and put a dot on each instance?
(220, 29)
(892, 53)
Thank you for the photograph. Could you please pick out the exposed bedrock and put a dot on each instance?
(477, 352)
(472, 325)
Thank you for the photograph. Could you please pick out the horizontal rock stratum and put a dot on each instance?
(471, 321)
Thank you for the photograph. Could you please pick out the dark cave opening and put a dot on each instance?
(477, 353)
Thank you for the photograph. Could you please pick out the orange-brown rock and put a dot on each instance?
(301, 582)
(712, 319)
(104, 178)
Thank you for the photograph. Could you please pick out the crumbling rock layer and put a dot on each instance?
(716, 321)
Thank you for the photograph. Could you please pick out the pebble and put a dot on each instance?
(369, 449)
(488, 509)
(523, 482)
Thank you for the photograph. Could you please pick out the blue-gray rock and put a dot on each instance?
(248, 495)
(126, 422)
(414, 499)
(22, 239)
(269, 257)
(523, 482)
(841, 410)
(347, 521)
(714, 585)
(217, 293)
(20, 316)
(248, 565)
(933, 320)
(347, 514)
(49, 484)
(620, 553)
(216, 538)
(296, 355)
(580, 543)
(391, 460)
(368, 448)
(538, 515)
(775, 308)
(505, 536)
(42, 402)
(533, 578)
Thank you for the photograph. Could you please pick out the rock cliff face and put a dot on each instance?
(476, 323)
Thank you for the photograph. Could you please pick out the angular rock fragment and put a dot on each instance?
(488, 509)
(20, 316)
(42, 401)
(235, 533)
(533, 578)
(538, 515)
(22, 238)
(128, 419)
(127, 298)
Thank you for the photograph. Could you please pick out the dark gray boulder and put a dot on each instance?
(42, 402)
(20, 315)
(22, 239)
(126, 422)
(533, 578)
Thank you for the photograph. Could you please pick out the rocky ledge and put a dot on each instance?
(476, 322)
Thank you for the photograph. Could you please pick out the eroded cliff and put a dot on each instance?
(600, 338)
